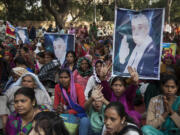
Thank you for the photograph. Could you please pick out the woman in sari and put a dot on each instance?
(83, 72)
(163, 116)
(69, 99)
(126, 94)
(20, 121)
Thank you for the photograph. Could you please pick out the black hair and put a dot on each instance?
(120, 110)
(65, 71)
(166, 77)
(74, 55)
(40, 54)
(20, 60)
(118, 78)
(99, 61)
(52, 55)
(90, 93)
(28, 92)
(51, 123)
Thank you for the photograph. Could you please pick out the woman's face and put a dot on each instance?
(84, 65)
(112, 121)
(47, 58)
(23, 104)
(98, 68)
(28, 81)
(170, 88)
(40, 59)
(64, 80)
(97, 105)
(118, 88)
(70, 58)
(34, 132)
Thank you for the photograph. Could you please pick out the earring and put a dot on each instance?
(122, 122)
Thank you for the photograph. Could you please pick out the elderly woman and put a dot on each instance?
(29, 80)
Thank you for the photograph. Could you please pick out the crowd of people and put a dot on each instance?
(39, 95)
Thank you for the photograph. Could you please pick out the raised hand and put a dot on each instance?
(124, 50)
(134, 75)
(96, 93)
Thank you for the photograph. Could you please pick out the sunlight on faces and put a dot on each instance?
(23, 104)
(140, 28)
(59, 48)
(112, 121)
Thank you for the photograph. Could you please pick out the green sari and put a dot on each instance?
(168, 127)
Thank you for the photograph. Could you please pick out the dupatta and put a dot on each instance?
(72, 99)
(169, 126)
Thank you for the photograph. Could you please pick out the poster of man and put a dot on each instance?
(137, 42)
(22, 34)
(59, 44)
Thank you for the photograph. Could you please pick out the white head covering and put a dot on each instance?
(20, 71)
(36, 79)
(39, 85)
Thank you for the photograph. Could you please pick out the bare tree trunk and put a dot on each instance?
(168, 10)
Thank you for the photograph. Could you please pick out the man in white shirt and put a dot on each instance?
(60, 46)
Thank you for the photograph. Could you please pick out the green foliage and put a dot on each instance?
(79, 9)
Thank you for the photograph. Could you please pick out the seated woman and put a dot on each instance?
(47, 73)
(20, 121)
(83, 72)
(29, 80)
(95, 106)
(126, 95)
(48, 123)
(69, 98)
(163, 116)
(70, 61)
(99, 77)
(117, 121)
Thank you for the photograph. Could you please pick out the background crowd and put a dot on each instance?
(38, 94)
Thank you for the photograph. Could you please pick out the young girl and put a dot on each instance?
(95, 106)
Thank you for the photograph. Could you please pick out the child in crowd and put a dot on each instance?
(95, 106)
